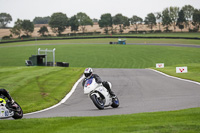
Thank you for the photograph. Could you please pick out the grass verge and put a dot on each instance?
(36, 88)
(193, 71)
(183, 121)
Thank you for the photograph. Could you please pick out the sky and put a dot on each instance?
(29, 9)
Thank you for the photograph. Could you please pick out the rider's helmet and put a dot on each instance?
(88, 72)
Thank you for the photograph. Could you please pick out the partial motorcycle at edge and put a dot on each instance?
(8, 110)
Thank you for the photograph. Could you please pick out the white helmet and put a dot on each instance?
(88, 72)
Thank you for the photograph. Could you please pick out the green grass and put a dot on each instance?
(104, 55)
(36, 88)
(183, 121)
(193, 71)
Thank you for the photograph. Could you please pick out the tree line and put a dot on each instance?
(171, 16)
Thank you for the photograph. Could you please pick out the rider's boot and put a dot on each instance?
(112, 94)
(106, 85)
(13, 104)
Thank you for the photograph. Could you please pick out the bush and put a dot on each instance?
(151, 31)
(142, 31)
(6, 37)
(193, 30)
(132, 32)
(157, 31)
(167, 30)
(25, 36)
(81, 34)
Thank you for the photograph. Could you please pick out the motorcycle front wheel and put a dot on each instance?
(98, 101)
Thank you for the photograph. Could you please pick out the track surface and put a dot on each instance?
(139, 90)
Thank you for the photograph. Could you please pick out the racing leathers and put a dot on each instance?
(5, 93)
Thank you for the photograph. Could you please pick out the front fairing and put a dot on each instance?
(4, 112)
(90, 85)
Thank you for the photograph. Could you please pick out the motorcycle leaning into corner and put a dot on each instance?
(99, 94)
(7, 110)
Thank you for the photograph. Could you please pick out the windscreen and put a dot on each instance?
(88, 82)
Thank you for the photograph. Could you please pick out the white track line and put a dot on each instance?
(62, 101)
(175, 77)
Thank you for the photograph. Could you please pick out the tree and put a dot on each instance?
(181, 20)
(41, 20)
(159, 18)
(94, 20)
(27, 27)
(58, 22)
(196, 18)
(188, 11)
(5, 18)
(16, 30)
(135, 20)
(105, 22)
(73, 22)
(42, 30)
(173, 13)
(84, 20)
(122, 21)
(150, 20)
(166, 20)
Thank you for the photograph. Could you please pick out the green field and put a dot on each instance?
(183, 121)
(96, 55)
(27, 82)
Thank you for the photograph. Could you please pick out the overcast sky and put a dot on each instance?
(29, 9)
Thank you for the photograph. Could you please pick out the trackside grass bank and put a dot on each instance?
(183, 121)
(36, 88)
(193, 71)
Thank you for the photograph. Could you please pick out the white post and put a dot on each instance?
(39, 51)
(46, 57)
(54, 57)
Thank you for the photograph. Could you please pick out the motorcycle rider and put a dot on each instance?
(5, 93)
(89, 73)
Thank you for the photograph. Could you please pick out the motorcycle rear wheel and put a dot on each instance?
(19, 113)
(115, 103)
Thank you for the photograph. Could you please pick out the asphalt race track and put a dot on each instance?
(139, 90)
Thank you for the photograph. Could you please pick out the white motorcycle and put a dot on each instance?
(6, 111)
(99, 94)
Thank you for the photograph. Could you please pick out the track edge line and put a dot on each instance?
(198, 83)
(62, 101)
